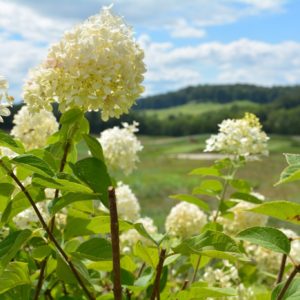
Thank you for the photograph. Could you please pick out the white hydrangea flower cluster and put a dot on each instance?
(240, 137)
(33, 129)
(266, 259)
(7, 152)
(295, 243)
(96, 66)
(242, 218)
(121, 147)
(4, 111)
(226, 277)
(185, 220)
(127, 203)
(129, 238)
(29, 219)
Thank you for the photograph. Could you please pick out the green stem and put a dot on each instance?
(231, 173)
(222, 198)
(196, 268)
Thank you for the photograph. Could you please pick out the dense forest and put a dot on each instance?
(217, 93)
(278, 110)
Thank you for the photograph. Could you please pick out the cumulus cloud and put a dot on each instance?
(27, 27)
(18, 21)
(239, 61)
(181, 29)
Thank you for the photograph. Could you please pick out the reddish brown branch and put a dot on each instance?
(48, 231)
(159, 267)
(115, 243)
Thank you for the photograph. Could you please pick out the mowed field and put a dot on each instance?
(194, 108)
(163, 170)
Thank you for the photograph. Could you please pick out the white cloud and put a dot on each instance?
(21, 22)
(261, 5)
(27, 27)
(239, 61)
(152, 14)
(181, 29)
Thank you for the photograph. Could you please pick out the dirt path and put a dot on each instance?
(199, 156)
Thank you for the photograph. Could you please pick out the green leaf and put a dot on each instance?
(148, 255)
(196, 293)
(206, 172)
(60, 184)
(94, 173)
(12, 244)
(127, 278)
(41, 252)
(139, 227)
(20, 202)
(33, 163)
(46, 156)
(96, 249)
(240, 185)
(282, 210)
(191, 199)
(70, 198)
(145, 278)
(71, 116)
(94, 146)
(77, 226)
(292, 293)
(292, 159)
(6, 190)
(246, 197)
(16, 274)
(7, 140)
(65, 274)
(209, 240)
(267, 237)
(209, 187)
(289, 174)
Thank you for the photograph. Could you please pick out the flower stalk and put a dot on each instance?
(114, 229)
(288, 282)
(156, 286)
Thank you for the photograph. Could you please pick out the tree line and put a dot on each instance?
(279, 112)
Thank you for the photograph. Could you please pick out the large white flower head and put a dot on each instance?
(266, 259)
(5, 100)
(129, 238)
(33, 129)
(127, 203)
(227, 276)
(242, 218)
(121, 147)
(96, 66)
(185, 220)
(239, 137)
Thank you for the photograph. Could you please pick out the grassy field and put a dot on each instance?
(160, 173)
(193, 108)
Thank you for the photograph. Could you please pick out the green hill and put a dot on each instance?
(197, 109)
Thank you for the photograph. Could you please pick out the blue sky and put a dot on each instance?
(186, 42)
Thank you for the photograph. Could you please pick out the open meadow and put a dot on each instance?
(165, 163)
